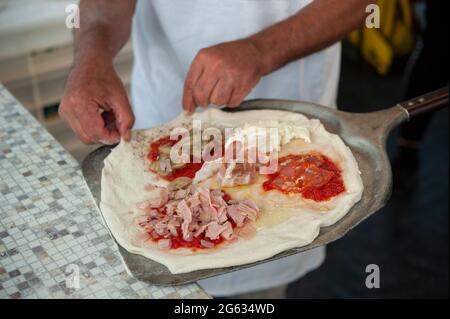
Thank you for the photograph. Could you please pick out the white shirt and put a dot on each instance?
(167, 34)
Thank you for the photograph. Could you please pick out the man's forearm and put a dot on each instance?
(105, 27)
(313, 28)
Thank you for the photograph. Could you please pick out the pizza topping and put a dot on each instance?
(206, 244)
(314, 176)
(234, 174)
(161, 163)
(194, 217)
(247, 231)
(214, 230)
(230, 172)
(159, 197)
(165, 167)
(160, 146)
(164, 244)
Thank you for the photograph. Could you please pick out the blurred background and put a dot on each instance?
(406, 57)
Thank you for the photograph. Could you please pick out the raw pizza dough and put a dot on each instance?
(281, 227)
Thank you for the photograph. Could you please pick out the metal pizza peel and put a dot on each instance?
(364, 133)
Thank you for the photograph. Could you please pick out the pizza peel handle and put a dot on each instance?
(427, 102)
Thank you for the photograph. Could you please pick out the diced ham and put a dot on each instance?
(247, 231)
(154, 234)
(161, 228)
(180, 194)
(171, 206)
(141, 220)
(204, 196)
(153, 213)
(189, 237)
(236, 215)
(158, 198)
(248, 211)
(217, 200)
(222, 214)
(206, 243)
(204, 215)
(172, 229)
(214, 229)
(199, 230)
(251, 204)
(194, 200)
(227, 233)
(209, 213)
(164, 244)
(192, 212)
(185, 213)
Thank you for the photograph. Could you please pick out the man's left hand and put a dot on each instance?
(223, 74)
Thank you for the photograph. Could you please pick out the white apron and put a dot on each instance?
(167, 34)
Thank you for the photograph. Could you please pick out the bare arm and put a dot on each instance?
(317, 26)
(105, 27)
(93, 83)
(225, 74)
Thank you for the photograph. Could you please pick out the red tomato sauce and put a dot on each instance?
(188, 170)
(153, 154)
(194, 244)
(314, 176)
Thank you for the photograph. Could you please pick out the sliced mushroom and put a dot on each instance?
(178, 165)
(180, 182)
(164, 149)
(165, 167)
(154, 166)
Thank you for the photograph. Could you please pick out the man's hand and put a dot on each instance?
(223, 74)
(95, 104)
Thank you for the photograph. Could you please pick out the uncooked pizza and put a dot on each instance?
(220, 189)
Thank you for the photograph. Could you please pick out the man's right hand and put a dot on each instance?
(95, 104)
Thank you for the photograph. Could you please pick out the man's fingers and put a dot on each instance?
(221, 93)
(96, 126)
(123, 114)
(193, 75)
(204, 88)
(188, 102)
(76, 127)
(237, 97)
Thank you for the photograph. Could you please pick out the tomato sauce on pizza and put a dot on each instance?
(188, 170)
(314, 176)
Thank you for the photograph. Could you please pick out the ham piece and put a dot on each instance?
(158, 198)
(194, 211)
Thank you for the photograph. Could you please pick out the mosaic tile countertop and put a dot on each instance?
(52, 241)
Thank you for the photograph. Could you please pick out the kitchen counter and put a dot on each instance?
(51, 232)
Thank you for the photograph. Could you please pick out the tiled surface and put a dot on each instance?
(49, 222)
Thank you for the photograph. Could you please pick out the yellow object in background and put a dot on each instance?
(395, 37)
